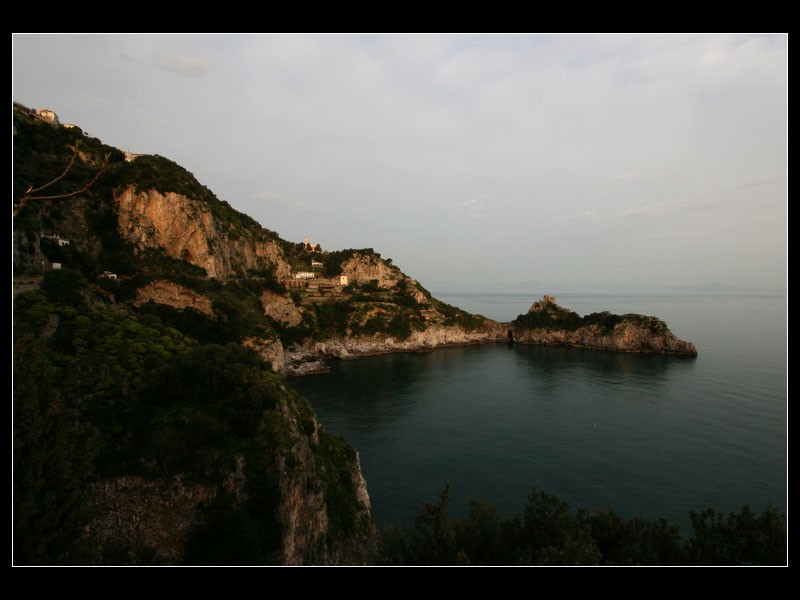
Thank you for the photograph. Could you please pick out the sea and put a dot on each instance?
(649, 435)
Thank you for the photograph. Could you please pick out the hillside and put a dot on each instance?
(152, 326)
(146, 429)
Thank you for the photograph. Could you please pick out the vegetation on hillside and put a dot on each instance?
(552, 316)
(551, 533)
(89, 221)
(102, 390)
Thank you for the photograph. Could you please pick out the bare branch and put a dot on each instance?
(27, 197)
(69, 166)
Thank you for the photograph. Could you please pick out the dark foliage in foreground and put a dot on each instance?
(550, 533)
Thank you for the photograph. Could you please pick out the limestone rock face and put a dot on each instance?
(269, 350)
(302, 510)
(144, 517)
(624, 337)
(306, 358)
(162, 291)
(304, 507)
(280, 308)
(364, 268)
(139, 520)
(187, 230)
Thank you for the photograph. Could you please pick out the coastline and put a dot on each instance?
(310, 358)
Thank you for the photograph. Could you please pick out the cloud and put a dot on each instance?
(191, 67)
(615, 136)
(588, 215)
(631, 176)
(475, 208)
(761, 182)
(623, 177)
(95, 101)
(274, 198)
(647, 210)
(671, 235)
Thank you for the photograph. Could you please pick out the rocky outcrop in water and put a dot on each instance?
(547, 324)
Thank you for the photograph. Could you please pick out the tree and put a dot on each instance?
(434, 538)
(53, 458)
(31, 192)
(742, 539)
(553, 535)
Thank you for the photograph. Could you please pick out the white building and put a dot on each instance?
(61, 241)
(304, 275)
(343, 280)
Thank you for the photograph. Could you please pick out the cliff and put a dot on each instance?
(369, 267)
(169, 293)
(309, 357)
(547, 324)
(186, 229)
(171, 520)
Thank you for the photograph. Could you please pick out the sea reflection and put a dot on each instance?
(550, 364)
(650, 434)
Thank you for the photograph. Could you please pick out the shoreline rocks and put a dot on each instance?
(629, 333)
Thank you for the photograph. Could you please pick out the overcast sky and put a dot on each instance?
(606, 161)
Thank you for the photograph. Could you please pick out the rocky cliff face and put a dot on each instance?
(281, 308)
(308, 357)
(625, 337)
(364, 268)
(187, 230)
(311, 464)
(137, 520)
(168, 293)
(270, 350)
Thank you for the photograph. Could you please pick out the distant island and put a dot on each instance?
(153, 325)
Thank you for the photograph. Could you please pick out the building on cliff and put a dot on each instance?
(45, 114)
(304, 275)
(542, 304)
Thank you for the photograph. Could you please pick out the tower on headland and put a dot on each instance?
(542, 304)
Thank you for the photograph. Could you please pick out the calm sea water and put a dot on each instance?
(650, 435)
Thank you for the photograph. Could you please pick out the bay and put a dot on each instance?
(650, 435)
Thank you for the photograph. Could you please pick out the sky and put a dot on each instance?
(473, 161)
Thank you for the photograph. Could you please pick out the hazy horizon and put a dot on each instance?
(611, 162)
